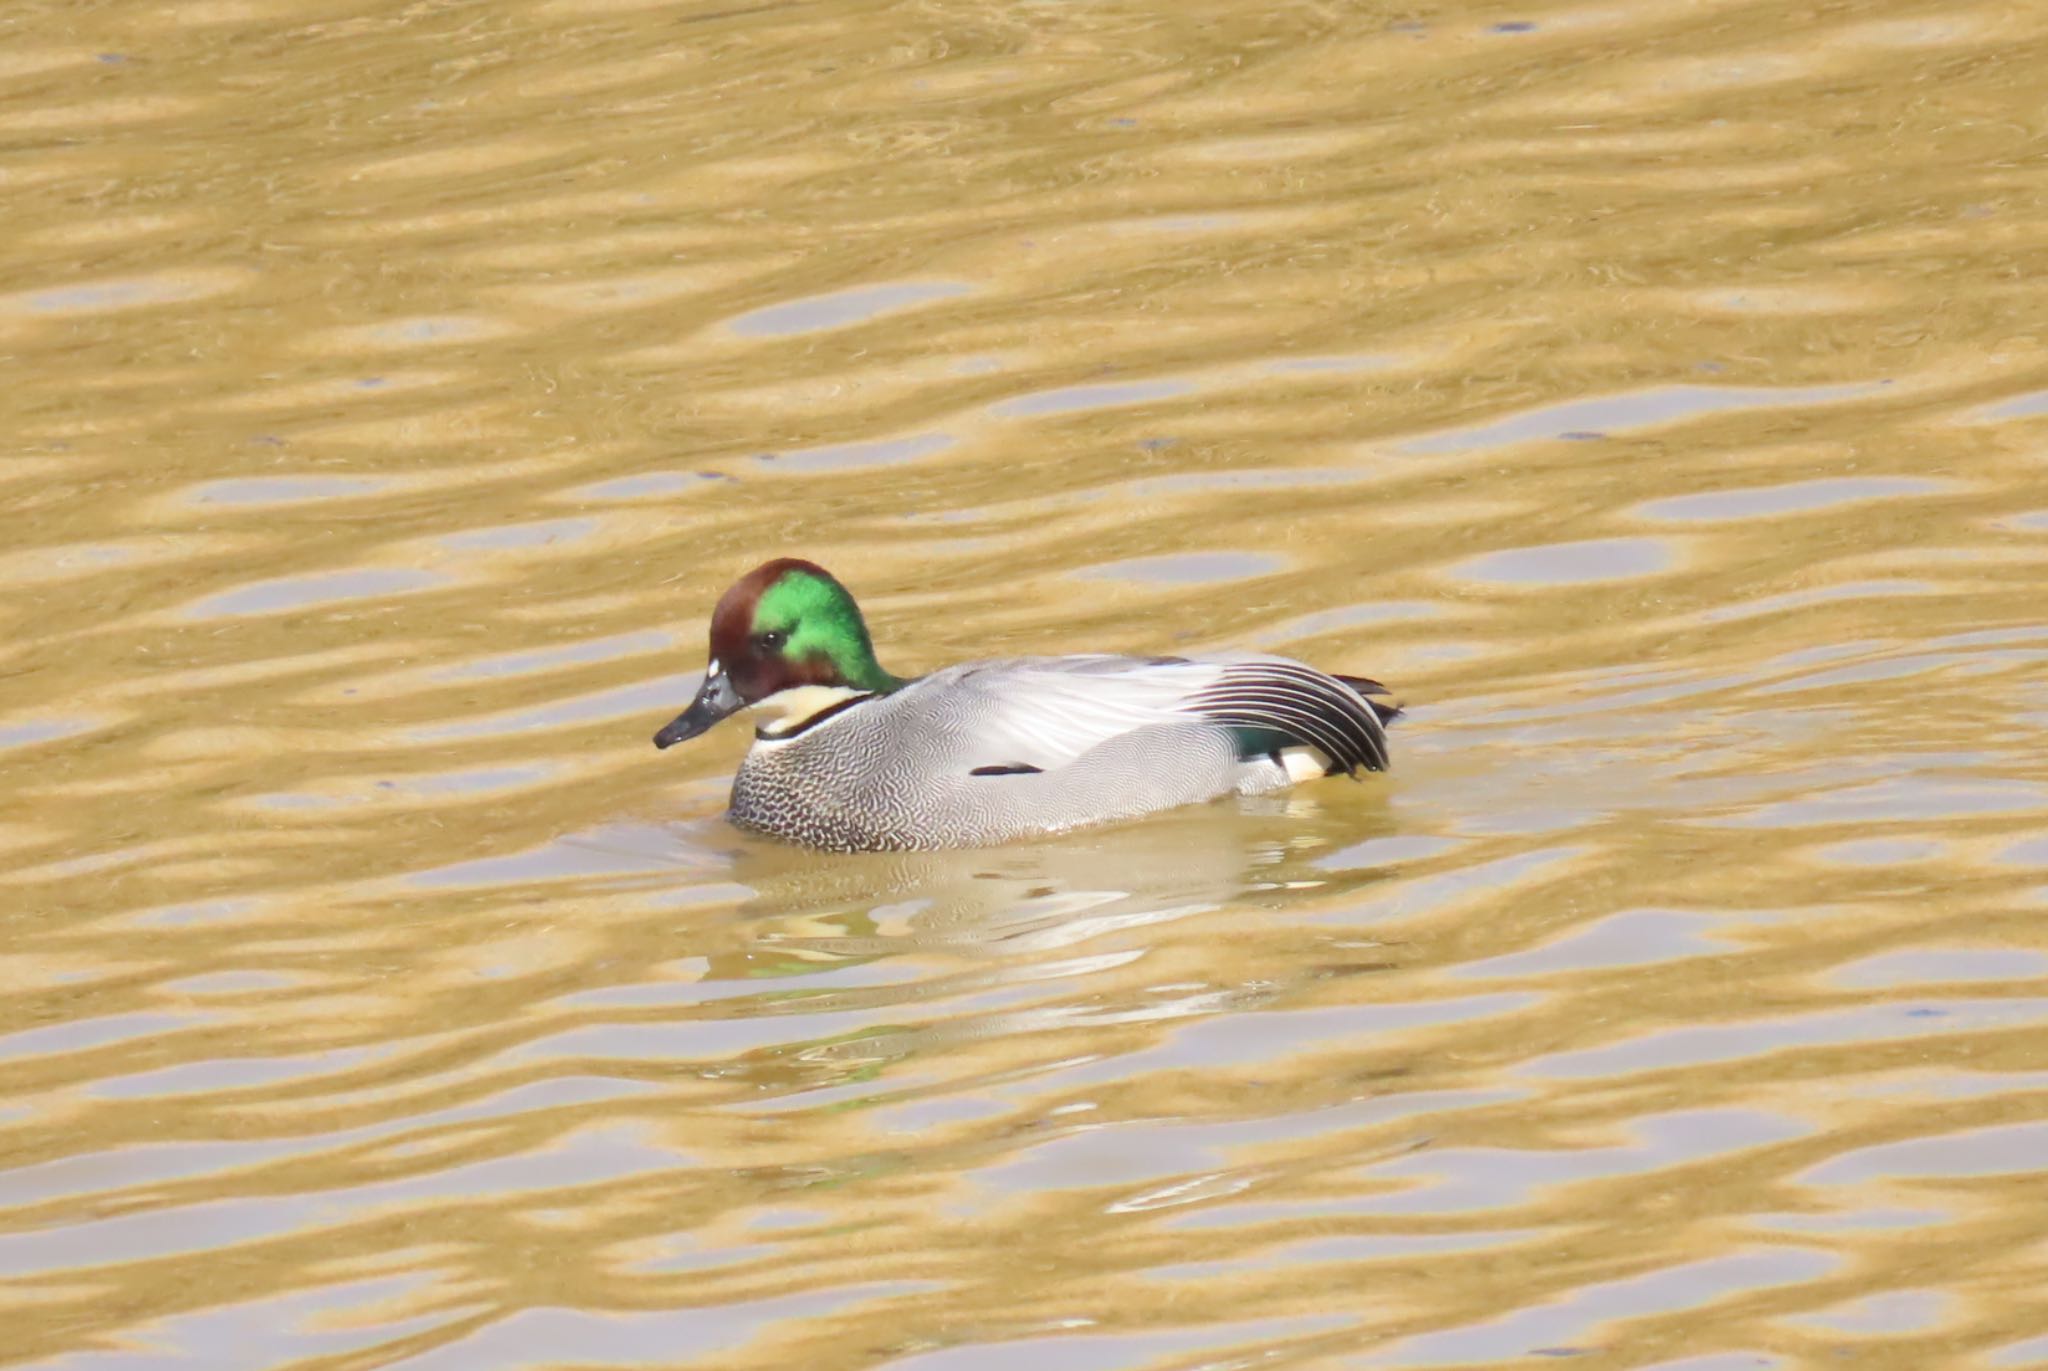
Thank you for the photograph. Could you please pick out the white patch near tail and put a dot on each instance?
(1304, 763)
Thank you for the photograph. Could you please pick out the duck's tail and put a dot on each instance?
(1294, 704)
(1378, 696)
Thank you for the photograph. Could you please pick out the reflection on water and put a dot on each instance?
(1650, 396)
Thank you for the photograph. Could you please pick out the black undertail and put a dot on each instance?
(1262, 701)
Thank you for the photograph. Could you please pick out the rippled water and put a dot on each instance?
(1655, 394)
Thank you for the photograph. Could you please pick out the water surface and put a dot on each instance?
(1652, 394)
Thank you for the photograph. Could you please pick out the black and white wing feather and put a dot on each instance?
(1300, 704)
(1034, 714)
(1041, 713)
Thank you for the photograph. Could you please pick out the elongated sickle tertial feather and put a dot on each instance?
(1302, 705)
(1378, 696)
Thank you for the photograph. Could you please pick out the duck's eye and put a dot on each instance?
(774, 638)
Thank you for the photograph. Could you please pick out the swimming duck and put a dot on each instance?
(849, 758)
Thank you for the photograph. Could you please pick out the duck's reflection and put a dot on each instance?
(1050, 893)
(866, 963)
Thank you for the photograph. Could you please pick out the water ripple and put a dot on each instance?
(1647, 396)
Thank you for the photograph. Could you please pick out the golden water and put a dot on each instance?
(1656, 394)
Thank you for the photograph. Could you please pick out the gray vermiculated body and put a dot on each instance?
(894, 772)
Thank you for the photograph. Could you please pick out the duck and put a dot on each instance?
(847, 757)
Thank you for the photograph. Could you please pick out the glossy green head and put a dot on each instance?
(786, 623)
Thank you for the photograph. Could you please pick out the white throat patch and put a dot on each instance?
(787, 711)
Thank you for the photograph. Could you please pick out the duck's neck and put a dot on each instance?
(864, 673)
(789, 712)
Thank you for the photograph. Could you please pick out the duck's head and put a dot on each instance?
(786, 626)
